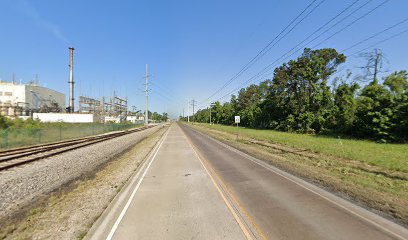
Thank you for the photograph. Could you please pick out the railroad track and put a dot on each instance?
(20, 156)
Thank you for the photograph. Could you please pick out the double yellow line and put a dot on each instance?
(233, 200)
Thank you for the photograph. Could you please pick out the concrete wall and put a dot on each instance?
(64, 117)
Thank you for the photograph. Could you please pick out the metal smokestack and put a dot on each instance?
(71, 79)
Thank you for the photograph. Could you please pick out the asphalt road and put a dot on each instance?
(281, 206)
(172, 197)
(194, 187)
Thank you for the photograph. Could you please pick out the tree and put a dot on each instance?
(248, 102)
(299, 93)
(227, 113)
(375, 112)
(397, 82)
(299, 99)
(346, 107)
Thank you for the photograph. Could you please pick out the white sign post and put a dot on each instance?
(237, 121)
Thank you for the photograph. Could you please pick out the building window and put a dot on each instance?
(8, 94)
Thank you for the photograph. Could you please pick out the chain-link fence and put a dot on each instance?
(11, 138)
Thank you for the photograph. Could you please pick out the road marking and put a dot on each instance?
(301, 184)
(122, 214)
(233, 198)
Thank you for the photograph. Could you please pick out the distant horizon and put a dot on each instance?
(192, 49)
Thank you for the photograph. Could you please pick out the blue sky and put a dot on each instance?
(192, 47)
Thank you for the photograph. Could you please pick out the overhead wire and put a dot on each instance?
(316, 31)
(353, 22)
(380, 42)
(165, 93)
(375, 35)
(268, 46)
(264, 70)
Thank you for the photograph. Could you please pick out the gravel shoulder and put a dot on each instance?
(61, 197)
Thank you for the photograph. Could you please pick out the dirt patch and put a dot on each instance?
(69, 214)
(380, 190)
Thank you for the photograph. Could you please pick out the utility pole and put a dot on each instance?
(147, 98)
(188, 110)
(193, 103)
(210, 114)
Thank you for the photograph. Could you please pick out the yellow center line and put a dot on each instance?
(210, 171)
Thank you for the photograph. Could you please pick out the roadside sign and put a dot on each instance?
(237, 119)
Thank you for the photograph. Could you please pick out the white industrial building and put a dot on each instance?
(25, 99)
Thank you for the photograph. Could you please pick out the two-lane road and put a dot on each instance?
(194, 187)
(285, 207)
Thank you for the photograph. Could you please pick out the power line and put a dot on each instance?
(160, 94)
(268, 46)
(328, 22)
(264, 70)
(167, 95)
(292, 28)
(353, 22)
(317, 30)
(339, 21)
(284, 57)
(376, 34)
(163, 90)
(344, 18)
(379, 42)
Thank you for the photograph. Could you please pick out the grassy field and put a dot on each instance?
(11, 138)
(390, 156)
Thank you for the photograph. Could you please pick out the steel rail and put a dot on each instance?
(17, 157)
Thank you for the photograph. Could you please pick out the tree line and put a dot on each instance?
(158, 117)
(300, 99)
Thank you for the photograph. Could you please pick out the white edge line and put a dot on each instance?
(118, 200)
(122, 214)
(333, 202)
(271, 168)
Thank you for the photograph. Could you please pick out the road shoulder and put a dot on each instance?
(70, 212)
